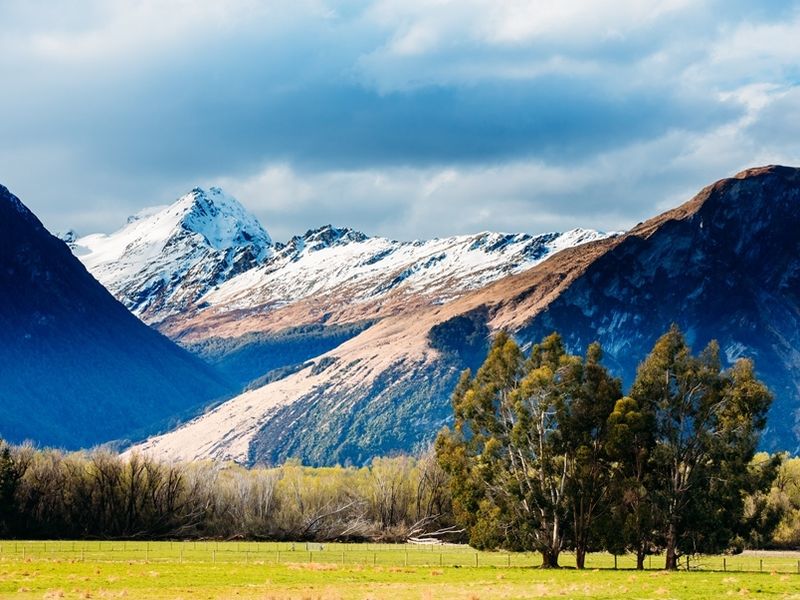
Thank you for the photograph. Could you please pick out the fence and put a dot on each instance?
(385, 555)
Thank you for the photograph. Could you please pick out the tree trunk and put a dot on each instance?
(640, 555)
(550, 559)
(580, 557)
(671, 563)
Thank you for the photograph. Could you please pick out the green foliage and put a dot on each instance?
(772, 513)
(707, 425)
(526, 453)
(546, 453)
(631, 525)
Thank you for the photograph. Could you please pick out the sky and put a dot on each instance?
(404, 118)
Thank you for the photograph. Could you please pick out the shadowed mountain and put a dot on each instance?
(725, 266)
(76, 367)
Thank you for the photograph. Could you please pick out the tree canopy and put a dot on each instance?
(546, 453)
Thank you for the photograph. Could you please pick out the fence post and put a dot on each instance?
(760, 564)
(374, 558)
(615, 562)
(476, 559)
(181, 554)
(508, 560)
(277, 556)
(724, 564)
(406, 559)
(342, 557)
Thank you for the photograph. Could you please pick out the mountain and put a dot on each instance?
(250, 307)
(342, 276)
(725, 265)
(163, 260)
(76, 367)
(204, 267)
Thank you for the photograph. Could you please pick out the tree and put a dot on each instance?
(763, 510)
(468, 452)
(632, 522)
(14, 463)
(588, 396)
(525, 454)
(784, 497)
(707, 425)
(8, 485)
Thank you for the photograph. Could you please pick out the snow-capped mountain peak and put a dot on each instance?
(370, 277)
(320, 238)
(220, 219)
(165, 258)
(206, 256)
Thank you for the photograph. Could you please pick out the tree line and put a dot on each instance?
(547, 454)
(100, 495)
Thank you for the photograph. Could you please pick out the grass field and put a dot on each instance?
(280, 570)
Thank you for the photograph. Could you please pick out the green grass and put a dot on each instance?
(280, 570)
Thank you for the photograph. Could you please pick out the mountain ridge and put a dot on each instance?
(162, 261)
(327, 275)
(76, 368)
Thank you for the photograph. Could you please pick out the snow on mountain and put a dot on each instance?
(328, 260)
(206, 255)
(165, 258)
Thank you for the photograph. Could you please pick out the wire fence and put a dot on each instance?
(383, 555)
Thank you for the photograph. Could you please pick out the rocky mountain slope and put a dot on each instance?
(204, 267)
(205, 272)
(724, 265)
(166, 258)
(342, 276)
(76, 367)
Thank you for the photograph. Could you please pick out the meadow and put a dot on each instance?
(105, 569)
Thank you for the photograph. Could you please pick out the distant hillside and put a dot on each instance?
(725, 264)
(76, 367)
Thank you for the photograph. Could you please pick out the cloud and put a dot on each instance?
(406, 118)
